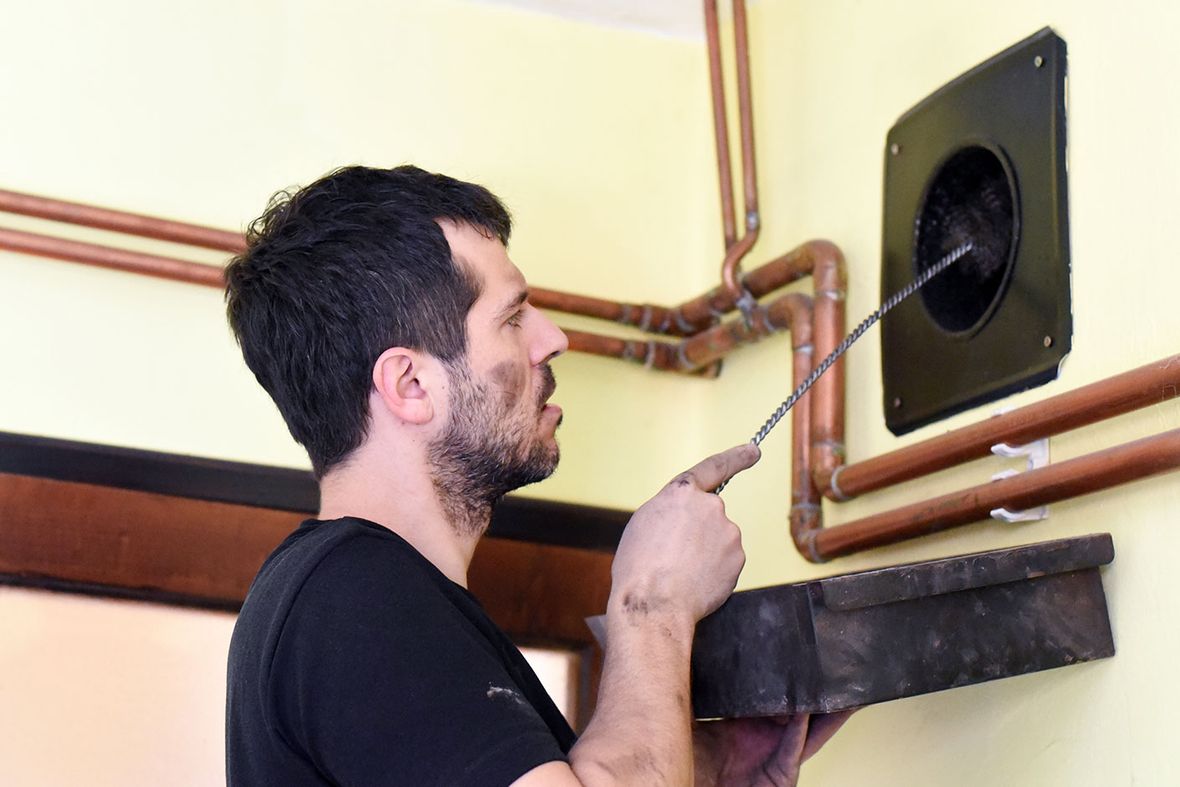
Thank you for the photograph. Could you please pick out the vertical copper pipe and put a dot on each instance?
(1147, 385)
(720, 123)
(1090, 473)
(105, 257)
(729, 269)
(119, 221)
(746, 114)
(794, 312)
(827, 406)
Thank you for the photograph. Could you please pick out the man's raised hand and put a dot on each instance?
(680, 554)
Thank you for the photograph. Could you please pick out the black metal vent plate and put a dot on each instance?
(984, 156)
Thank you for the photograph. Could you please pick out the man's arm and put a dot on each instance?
(678, 560)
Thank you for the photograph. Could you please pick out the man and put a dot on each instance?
(380, 311)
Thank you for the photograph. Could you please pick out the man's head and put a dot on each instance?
(353, 285)
(500, 432)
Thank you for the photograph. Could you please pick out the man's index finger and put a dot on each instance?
(711, 472)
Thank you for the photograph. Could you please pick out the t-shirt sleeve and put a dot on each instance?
(378, 679)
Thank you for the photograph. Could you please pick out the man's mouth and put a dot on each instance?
(548, 386)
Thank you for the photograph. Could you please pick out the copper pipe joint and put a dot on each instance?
(733, 258)
(704, 310)
(717, 342)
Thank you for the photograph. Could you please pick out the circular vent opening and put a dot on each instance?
(971, 198)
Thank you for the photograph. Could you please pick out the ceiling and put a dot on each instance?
(671, 18)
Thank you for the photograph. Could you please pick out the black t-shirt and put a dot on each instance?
(355, 661)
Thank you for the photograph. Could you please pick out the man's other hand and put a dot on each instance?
(760, 752)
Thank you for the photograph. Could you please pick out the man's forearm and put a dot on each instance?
(641, 732)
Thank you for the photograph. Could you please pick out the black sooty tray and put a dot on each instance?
(856, 639)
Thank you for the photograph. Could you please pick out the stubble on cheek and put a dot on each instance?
(510, 380)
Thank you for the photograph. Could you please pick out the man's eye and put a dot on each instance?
(515, 319)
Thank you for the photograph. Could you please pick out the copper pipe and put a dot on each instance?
(700, 355)
(575, 304)
(794, 312)
(658, 355)
(704, 310)
(704, 350)
(119, 259)
(720, 123)
(1123, 393)
(827, 406)
(792, 266)
(689, 356)
(663, 356)
(697, 314)
(1090, 473)
(645, 317)
(685, 320)
(720, 340)
(729, 266)
(729, 269)
(119, 221)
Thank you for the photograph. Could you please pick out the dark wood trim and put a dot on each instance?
(278, 488)
(189, 531)
(91, 538)
(282, 488)
(123, 543)
(135, 541)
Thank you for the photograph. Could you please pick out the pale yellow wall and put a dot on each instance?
(592, 136)
(853, 68)
(599, 140)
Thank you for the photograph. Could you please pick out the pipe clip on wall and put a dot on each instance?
(1037, 455)
(1039, 486)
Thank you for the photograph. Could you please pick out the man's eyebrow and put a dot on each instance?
(515, 303)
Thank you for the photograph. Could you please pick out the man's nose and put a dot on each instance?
(551, 341)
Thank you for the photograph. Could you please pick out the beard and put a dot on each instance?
(488, 448)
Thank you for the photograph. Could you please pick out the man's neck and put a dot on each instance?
(407, 504)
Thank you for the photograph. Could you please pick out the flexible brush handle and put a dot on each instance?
(826, 363)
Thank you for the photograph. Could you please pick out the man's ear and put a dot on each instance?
(402, 378)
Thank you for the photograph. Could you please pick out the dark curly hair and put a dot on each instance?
(336, 273)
